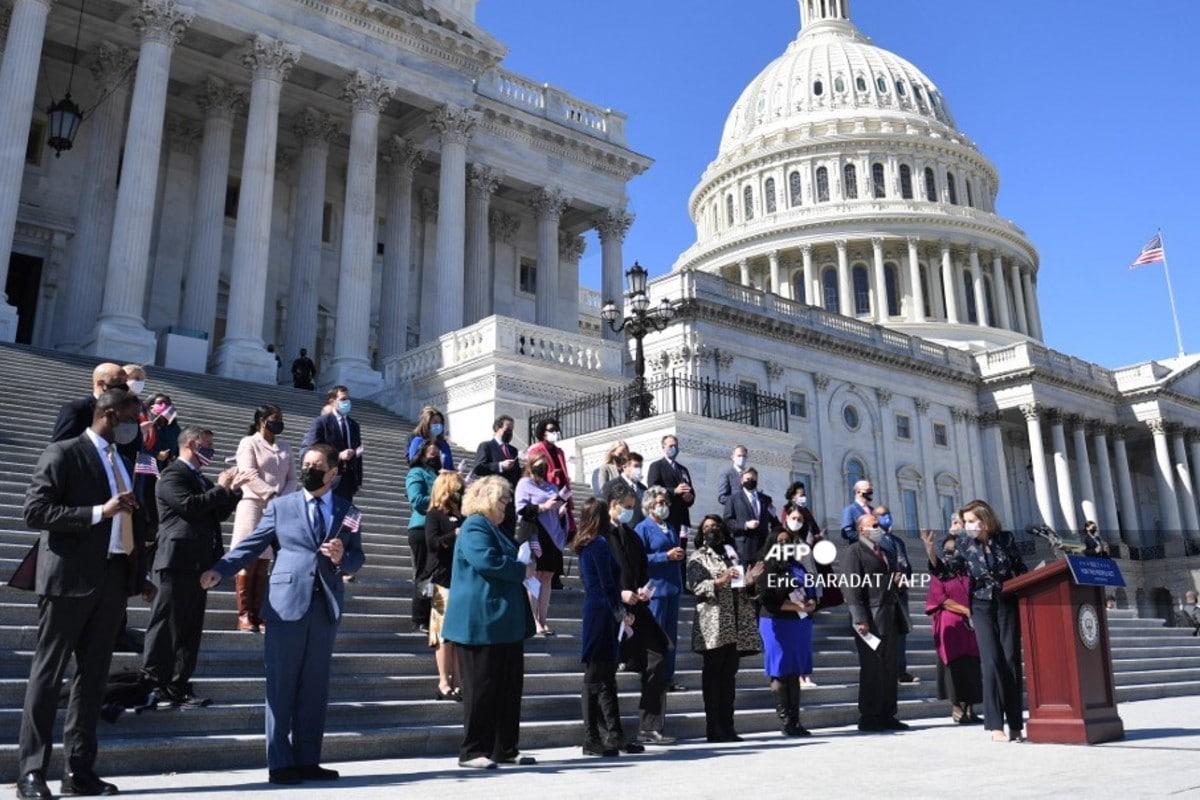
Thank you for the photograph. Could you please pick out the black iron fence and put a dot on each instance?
(664, 395)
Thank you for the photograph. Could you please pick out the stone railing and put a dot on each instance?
(1031, 355)
(504, 336)
(553, 104)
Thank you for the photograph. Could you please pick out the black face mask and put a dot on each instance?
(750, 485)
(868, 496)
(506, 436)
(539, 471)
(275, 427)
(434, 463)
(312, 478)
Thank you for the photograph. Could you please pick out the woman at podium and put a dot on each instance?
(989, 557)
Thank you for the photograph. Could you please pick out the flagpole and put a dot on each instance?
(1171, 294)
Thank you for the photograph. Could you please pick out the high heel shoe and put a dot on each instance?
(445, 695)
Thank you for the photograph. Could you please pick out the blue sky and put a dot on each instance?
(1091, 115)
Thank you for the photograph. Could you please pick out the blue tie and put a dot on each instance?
(318, 520)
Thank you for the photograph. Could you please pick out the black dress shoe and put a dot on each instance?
(870, 726)
(284, 776)
(894, 725)
(315, 772)
(677, 687)
(32, 786)
(633, 748)
(86, 783)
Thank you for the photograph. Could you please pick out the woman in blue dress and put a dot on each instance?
(785, 623)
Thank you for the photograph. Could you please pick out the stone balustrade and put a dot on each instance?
(1031, 355)
(553, 104)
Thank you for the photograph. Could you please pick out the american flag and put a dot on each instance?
(352, 519)
(145, 465)
(203, 459)
(1152, 253)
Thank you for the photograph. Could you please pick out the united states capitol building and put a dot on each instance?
(365, 180)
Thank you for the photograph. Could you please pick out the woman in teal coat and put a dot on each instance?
(419, 487)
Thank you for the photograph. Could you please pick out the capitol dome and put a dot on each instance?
(843, 182)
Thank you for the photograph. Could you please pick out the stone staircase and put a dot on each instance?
(382, 702)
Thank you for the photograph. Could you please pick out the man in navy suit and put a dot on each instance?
(75, 416)
(316, 543)
(750, 517)
(338, 430)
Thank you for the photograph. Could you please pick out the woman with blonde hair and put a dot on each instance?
(610, 466)
(442, 521)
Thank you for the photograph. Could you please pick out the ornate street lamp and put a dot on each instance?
(63, 116)
(642, 320)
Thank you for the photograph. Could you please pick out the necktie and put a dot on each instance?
(879, 554)
(754, 504)
(504, 451)
(124, 518)
(345, 433)
(318, 520)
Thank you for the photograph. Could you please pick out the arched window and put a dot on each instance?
(862, 291)
(917, 93)
(829, 282)
(855, 472)
(969, 291)
(878, 185)
(818, 88)
(881, 84)
(839, 85)
(799, 290)
(900, 88)
(769, 195)
(891, 276)
(822, 185)
(860, 83)
(729, 210)
(952, 188)
(930, 185)
(850, 179)
(990, 300)
(970, 194)
(795, 190)
(906, 189)
(748, 203)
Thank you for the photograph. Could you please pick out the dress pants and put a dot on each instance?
(176, 625)
(645, 652)
(877, 674)
(666, 612)
(718, 684)
(998, 632)
(85, 627)
(420, 552)
(493, 678)
(299, 656)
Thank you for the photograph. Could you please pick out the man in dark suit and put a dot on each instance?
(675, 478)
(338, 430)
(751, 517)
(316, 540)
(191, 511)
(75, 417)
(731, 479)
(89, 560)
(497, 456)
(304, 371)
(874, 612)
(631, 479)
(896, 547)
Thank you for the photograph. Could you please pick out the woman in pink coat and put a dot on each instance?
(948, 605)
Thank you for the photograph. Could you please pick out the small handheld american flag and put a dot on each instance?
(145, 465)
(350, 522)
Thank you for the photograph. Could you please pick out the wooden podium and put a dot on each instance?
(1068, 664)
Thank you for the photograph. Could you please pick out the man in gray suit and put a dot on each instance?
(316, 541)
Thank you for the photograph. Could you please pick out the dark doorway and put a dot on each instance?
(24, 281)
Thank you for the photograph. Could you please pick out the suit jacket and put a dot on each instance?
(488, 457)
(488, 603)
(876, 601)
(190, 512)
(738, 512)
(286, 527)
(729, 484)
(325, 429)
(661, 473)
(73, 418)
(638, 488)
(67, 483)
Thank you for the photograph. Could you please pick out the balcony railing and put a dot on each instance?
(668, 394)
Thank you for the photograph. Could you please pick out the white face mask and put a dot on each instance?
(137, 387)
(739, 462)
(635, 474)
(552, 437)
(662, 511)
(972, 529)
(802, 502)
(795, 524)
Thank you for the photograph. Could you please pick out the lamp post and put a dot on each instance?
(641, 320)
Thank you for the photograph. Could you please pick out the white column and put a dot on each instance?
(172, 242)
(1062, 471)
(999, 293)
(977, 285)
(83, 289)
(1031, 312)
(483, 181)
(744, 273)
(1168, 505)
(612, 227)
(996, 474)
(548, 206)
(1022, 320)
(773, 262)
(1037, 456)
(881, 298)
(1109, 526)
(18, 88)
(120, 333)
(454, 125)
(916, 310)
(427, 202)
(814, 295)
(1187, 494)
(402, 159)
(845, 285)
(570, 250)
(221, 105)
(1193, 438)
(1132, 526)
(1083, 467)
(949, 284)
(242, 353)
(368, 95)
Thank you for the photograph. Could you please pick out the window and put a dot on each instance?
(829, 282)
(839, 85)
(818, 88)
(850, 178)
(798, 404)
(822, 185)
(748, 203)
(906, 190)
(881, 84)
(940, 437)
(850, 417)
(855, 472)
(327, 223)
(989, 300)
(891, 277)
(795, 190)
(917, 93)
(769, 195)
(900, 88)
(878, 183)
(947, 503)
(729, 210)
(36, 142)
(930, 185)
(747, 390)
(799, 290)
(904, 427)
(527, 279)
(860, 83)
(862, 291)
(233, 190)
(912, 519)
(952, 188)
(969, 291)
(970, 194)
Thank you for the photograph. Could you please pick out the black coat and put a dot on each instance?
(441, 532)
(73, 419)
(630, 554)
(488, 457)
(639, 489)
(738, 511)
(661, 473)
(190, 513)
(876, 601)
(325, 429)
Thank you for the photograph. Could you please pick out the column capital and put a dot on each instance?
(570, 246)
(1118, 432)
(960, 414)
(1157, 425)
(774, 370)
(184, 134)
(429, 205)
(973, 250)
(613, 225)
(944, 246)
(991, 419)
(285, 157)
(217, 98)
(773, 256)
(315, 128)
(884, 396)
(1031, 411)
(913, 241)
(367, 92)
(1097, 427)
(806, 249)
(877, 242)
(109, 65)
(1054, 416)
(503, 226)
(162, 21)
(548, 204)
(922, 406)
(1075, 420)
(821, 380)
(269, 58)
(402, 156)
(453, 123)
(1193, 436)
(841, 245)
(483, 180)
